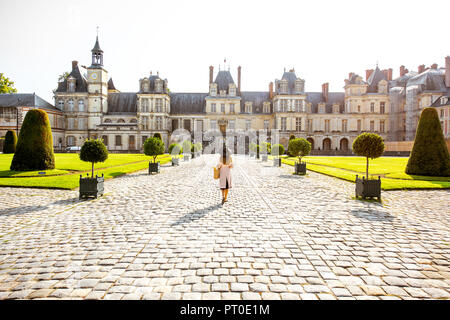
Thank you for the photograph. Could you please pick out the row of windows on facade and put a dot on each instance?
(344, 125)
(145, 85)
(248, 108)
(282, 86)
(222, 93)
(71, 105)
(158, 106)
(382, 109)
(71, 140)
(382, 88)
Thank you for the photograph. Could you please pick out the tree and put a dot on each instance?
(93, 150)
(429, 155)
(299, 148)
(291, 137)
(369, 145)
(34, 149)
(10, 143)
(153, 147)
(277, 150)
(6, 85)
(61, 78)
(157, 135)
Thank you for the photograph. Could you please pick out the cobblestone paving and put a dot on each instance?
(280, 236)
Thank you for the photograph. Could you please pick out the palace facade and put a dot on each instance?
(91, 107)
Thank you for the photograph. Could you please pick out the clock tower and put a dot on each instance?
(97, 88)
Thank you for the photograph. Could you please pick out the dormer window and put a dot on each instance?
(223, 93)
(248, 107)
(266, 107)
(145, 85)
(443, 100)
(284, 86)
(213, 90)
(232, 89)
(60, 104)
(158, 85)
(71, 84)
(299, 85)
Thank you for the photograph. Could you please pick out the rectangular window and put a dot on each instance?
(231, 125)
(158, 123)
(213, 124)
(382, 126)
(118, 140)
(248, 124)
(382, 107)
(213, 107)
(231, 107)
(298, 105)
(310, 125)
(298, 124)
(359, 126)
(372, 126)
(344, 125)
(283, 105)
(81, 123)
(327, 125)
(372, 107)
(61, 105)
(222, 107)
(266, 124)
(158, 105)
(283, 124)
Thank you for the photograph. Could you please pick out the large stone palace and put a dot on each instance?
(87, 105)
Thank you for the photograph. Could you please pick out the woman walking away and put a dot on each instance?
(225, 166)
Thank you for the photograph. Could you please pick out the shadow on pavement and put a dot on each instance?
(195, 215)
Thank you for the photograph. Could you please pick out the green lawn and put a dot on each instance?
(69, 167)
(391, 170)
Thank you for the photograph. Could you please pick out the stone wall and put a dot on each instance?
(404, 146)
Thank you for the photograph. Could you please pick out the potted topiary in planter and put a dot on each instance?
(369, 145)
(175, 150)
(153, 147)
(277, 151)
(186, 146)
(299, 147)
(92, 151)
(265, 150)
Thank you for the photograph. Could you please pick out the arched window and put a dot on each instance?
(107, 121)
(70, 106)
(326, 144)
(121, 121)
(344, 144)
(311, 140)
(133, 121)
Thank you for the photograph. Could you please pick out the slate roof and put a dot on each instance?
(353, 79)
(432, 80)
(26, 100)
(333, 97)
(373, 80)
(223, 79)
(290, 77)
(97, 46)
(122, 103)
(187, 103)
(257, 97)
(111, 84)
(80, 82)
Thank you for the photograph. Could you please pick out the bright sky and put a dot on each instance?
(322, 40)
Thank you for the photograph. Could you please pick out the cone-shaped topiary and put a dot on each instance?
(34, 149)
(157, 135)
(153, 147)
(299, 148)
(94, 151)
(10, 143)
(429, 155)
(369, 145)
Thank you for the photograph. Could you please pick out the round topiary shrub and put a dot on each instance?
(157, 135)
(186, 145)
(429, 155)
(175, 149)
(153, 147)
(299, 148)
(291, 137)
(252, 147)
(265, 147)
(10, 143)
(277, 150)
(34, 149)
(369, 145)
(93, 150)
(199, 146)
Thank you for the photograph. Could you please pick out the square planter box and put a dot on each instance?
(277, 162)
(368, 188)
(186, 158)
(91, 187)
(264, 157)
(175, 161)
(192, 155)
(300, 168)
(153, 167)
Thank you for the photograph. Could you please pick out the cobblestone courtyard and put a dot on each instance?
(280, 236)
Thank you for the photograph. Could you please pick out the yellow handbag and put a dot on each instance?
(216, 173)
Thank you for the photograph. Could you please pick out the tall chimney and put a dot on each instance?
(368, 73)
(271, 90)
(239, 80)
(325, 91)
(389, 74)
(350, 75)
(211, 74)
(434, 66)
(421, 68)
(402, 71)
(74, 64)
(447, 71)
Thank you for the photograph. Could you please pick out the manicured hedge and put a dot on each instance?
(10, 142)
